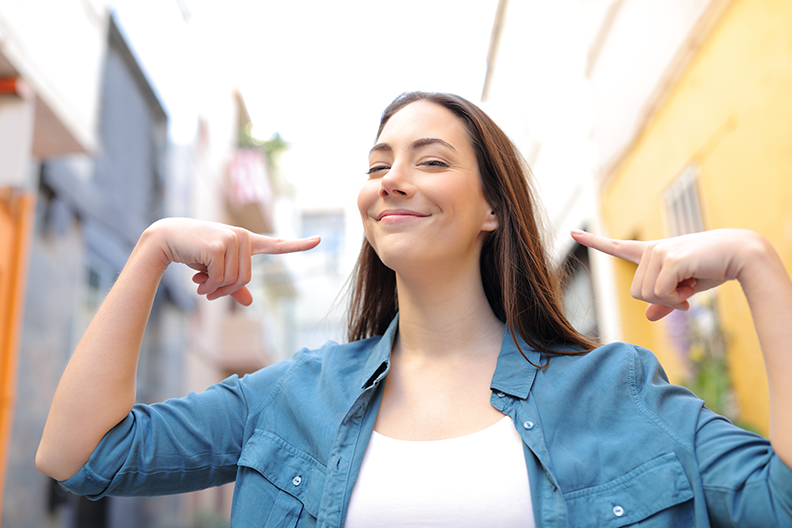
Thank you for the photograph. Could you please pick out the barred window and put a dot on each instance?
(682, 205)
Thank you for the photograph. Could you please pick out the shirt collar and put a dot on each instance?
(513, 374)
(378, 363)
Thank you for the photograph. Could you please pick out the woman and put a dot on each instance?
(464, 398)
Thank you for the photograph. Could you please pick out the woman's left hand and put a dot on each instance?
(672, 270)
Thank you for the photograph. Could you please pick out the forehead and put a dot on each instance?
(424, 119)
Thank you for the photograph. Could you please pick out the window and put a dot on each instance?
(697, 333)
(330, 226)
(683, 212)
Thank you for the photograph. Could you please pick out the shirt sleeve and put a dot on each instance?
(177, 446)
(743, 481)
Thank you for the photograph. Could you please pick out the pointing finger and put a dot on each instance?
(630, 250)
(261, 244)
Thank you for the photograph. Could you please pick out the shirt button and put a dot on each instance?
(297, 480)
(528, 425)
(499, 394)
(618, 511)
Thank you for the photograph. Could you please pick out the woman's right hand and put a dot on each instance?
(221, 254)
(97, 389)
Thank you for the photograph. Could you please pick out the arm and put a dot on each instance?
(671, 271)
(97, 389)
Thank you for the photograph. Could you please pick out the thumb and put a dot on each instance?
(655, 312)
(243, 296)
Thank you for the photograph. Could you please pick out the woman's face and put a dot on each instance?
(423, 202)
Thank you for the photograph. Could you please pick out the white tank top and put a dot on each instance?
(478, 480)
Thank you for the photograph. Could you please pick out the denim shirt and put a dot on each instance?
(608, 442)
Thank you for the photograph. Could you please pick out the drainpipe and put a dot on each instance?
(17, 206)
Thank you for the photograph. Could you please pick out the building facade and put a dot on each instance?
(230, 178)
(87, 166)
(90, 210)
(680, 116)
(716, 153)
(49, 107)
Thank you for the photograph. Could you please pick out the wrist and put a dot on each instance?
(152, 247)
(759, 263)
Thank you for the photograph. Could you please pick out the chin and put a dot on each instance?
(396, 247)
(401, 258)
(392, 259)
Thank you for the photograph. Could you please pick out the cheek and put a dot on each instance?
(366, 198)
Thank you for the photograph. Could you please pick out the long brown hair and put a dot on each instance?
(522, 287)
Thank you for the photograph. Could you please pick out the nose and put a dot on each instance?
(396, 183)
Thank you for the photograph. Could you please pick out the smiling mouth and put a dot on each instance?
(399, 213)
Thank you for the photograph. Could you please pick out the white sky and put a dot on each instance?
(318, 72)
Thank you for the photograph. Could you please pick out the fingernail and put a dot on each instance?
(578, 232)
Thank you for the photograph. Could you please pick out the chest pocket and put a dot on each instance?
(656, 493)
(275, 483)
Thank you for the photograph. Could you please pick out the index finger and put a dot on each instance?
(261, 244)
(630, 250)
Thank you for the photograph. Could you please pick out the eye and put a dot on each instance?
(435, 163)
(376, 168)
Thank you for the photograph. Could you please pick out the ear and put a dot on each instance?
(490, 221)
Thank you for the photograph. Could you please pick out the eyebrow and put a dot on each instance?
(415, 145)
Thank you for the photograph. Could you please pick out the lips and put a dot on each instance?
(399, 212)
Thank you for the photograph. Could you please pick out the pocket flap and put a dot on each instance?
(646, 490)
(290, 469)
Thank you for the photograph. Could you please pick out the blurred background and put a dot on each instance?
(640, 119)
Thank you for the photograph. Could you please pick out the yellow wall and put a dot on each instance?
(731, 114)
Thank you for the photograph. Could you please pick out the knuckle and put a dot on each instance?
(224, 237)
(665, 253)
(647, 293)
(658, 293)
(635, 291)
(216, 246)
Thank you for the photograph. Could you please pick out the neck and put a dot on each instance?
(446, 315)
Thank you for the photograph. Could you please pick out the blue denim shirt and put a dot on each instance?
(608, 442)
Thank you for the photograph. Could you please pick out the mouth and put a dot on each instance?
(399, 213)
